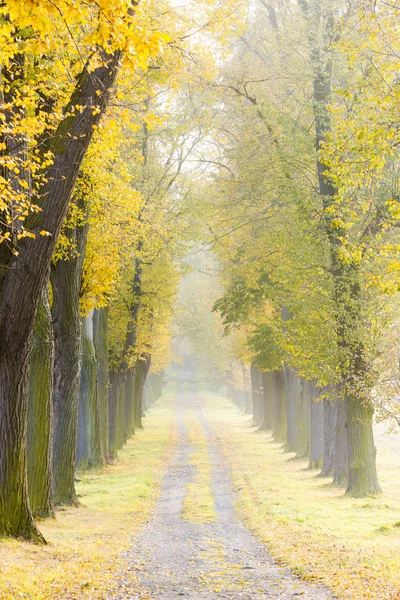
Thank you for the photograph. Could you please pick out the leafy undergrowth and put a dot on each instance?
(352, 545)
(84, 542)
(198, 504)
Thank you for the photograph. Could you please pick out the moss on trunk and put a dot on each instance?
(66, 284)
(362, 476)
(16, 517)
(100, 324)
(121, 414)
(129, 425)
(88, 447)
(39, 412)
(113, 398)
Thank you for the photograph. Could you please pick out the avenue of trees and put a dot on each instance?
(91, 158)
(142, 141)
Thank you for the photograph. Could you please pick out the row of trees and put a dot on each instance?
(93, 141)
(127, 130)
(308, 421)
(302, 201)
(60, 66)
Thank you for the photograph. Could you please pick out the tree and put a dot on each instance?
(27, 267)
(39, 433)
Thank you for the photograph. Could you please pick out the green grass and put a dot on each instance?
(353, 545)
(84, 542)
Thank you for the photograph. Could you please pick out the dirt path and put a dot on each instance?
(173, 558)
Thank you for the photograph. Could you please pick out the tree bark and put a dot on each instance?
(153, 388)
(362, 476)
(293, 401)
(66, 276)
(279, 400)
(127, 368)
(267, 398)
(89, 452)
(113, 398)
(129, 427)
(340, 457)
(100, 326)
(15, 514)
(142, 367)
(39, 412)
(122, 426)
(317, 429)
(329, 437)
(303, 428)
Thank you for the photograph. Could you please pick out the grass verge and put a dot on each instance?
(352, 545)
(84, 542)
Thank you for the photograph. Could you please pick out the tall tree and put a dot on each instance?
(25, 274)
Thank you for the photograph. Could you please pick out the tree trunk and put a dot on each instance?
(258, 396)
(304, 421)
(280, 422)
(113, 398)
(317, 429)
(129, 427)
(88, 444)
(141, 370)
(267, 385)
(340, 457)
(247, 400)
(100, 324)
(82, 436)
(293, 401)
(146, 394)
(122, 430)
(153, 388)
(39, 412)
(66, 284)
(130, 342)
(362, 476)
(329, 437)
(248, 410)
(253, 383)
(22, 283)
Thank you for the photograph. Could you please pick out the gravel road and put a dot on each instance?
(172, 558)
